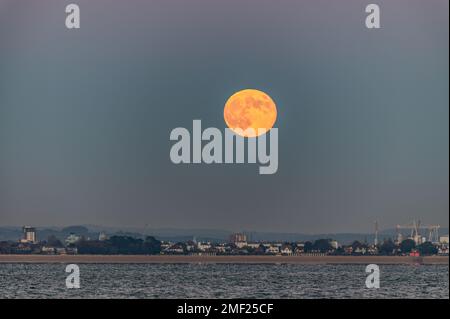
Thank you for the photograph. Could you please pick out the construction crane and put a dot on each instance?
(415, 227)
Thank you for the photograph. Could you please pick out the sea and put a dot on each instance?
(223, 281)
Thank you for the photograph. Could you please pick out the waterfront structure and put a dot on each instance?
(165, 245)
(175, 249)
(443, 239)
(238, 238)
(48, 250)
(72, 239)
(190, 245)
(415, 228)
(334, 244)
(253, 245)
(286, 250)
(203, 246)
(222, 248)
(299, 249)
(102, 237)
(272, 249)
(29, 235)
(238, 245)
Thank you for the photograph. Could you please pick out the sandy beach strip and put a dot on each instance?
(181, 259)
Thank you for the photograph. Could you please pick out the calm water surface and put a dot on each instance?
(222, 281)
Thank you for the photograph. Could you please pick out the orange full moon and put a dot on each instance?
(250, 109)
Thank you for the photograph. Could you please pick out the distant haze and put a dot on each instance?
(212, 235)
(85, 115)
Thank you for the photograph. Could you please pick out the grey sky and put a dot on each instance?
(85, 115)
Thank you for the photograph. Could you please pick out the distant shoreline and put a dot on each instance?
(181, 259)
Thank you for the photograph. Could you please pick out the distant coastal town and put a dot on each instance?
(238, 244)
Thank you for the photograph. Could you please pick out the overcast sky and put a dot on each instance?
(85, 115)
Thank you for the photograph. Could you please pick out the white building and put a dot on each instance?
(241, 244)
(165, 245)
(221, 248)
(48, 250)
(72, 239)
(203, 246)
(29, 235)
(190, 245)
(102, 237)
(443, 239)
(253, 245)
(272, 250)
(238, 237)
(175, 249)
(286, 250)
(239, 240)
(61, 251)
(360, 250)
(334, 244)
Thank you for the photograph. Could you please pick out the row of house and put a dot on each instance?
(237, 245)
(192, 247)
